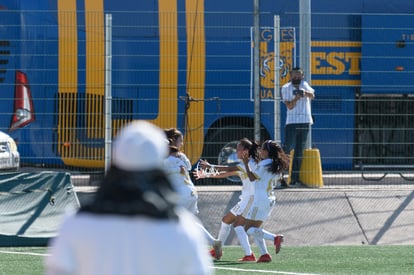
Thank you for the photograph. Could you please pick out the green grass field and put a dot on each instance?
(324, 260)
(291, 260)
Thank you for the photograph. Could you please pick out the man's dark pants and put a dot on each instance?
(296, 136)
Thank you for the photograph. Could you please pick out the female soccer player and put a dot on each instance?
(177, 166)
(274, 161)
(246, 150)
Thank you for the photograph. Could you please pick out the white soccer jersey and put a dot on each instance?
(111, 245)
(186, 161)
(301, 113)
(264, 197)
(247, 185)
(247, 192)
(182, 183)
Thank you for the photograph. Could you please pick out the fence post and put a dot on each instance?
(276, 93)
(108, 90)
(256, 67)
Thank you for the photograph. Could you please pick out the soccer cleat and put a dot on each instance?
(278, 243)
(265, 258)
(217, 249)
(213, 254)
(248, 258)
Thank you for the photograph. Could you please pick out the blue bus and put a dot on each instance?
(188, 64)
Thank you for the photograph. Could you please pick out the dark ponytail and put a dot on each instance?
(280, 160)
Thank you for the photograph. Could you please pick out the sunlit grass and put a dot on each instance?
(298, 260)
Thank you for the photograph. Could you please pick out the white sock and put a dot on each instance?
(257, 234)
(243, 240)
(209, 237)
(224, 232)
(260, 242)
(268, 235)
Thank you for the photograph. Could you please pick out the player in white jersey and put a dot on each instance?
(178, 168)
(267, 172)
(246, 149)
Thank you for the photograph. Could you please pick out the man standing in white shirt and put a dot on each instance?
(297, 95)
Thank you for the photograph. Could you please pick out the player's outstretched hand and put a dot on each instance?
(198, 175)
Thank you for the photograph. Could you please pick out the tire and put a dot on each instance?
(220, 147)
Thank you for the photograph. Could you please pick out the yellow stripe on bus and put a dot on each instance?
(67, 74)
(336, 82)
(168, 74)
(95, 68)
(336, 44)
(68, 47)
(196, 63)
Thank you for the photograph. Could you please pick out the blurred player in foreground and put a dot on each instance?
(133, 225)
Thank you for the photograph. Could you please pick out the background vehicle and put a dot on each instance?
(187, 64)
(9, 156)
